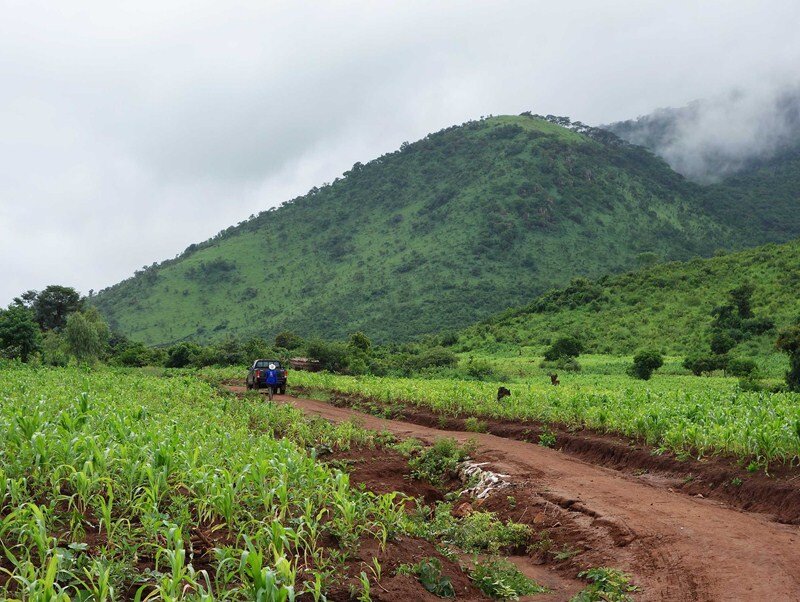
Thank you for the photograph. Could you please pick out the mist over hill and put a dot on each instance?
(709, 140)
(437, 235)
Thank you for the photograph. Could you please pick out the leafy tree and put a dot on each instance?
(742, 367)
(331, 356)
(437, 357)
(54, 304)
(288, 340)
(789, 342)
(647, 259)
(26, 299)
(255, 347)
(19, 334)
(359, 341)
(705, 364)
(741, 299)
(137, 355)
(86, 335)
(54, 348)
(564, 347)
(645, 363)
(183, 354)
(722, 342)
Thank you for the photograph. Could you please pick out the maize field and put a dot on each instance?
(683, 414)
(117, 484)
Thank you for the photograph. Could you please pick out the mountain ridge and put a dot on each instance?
(450, 229)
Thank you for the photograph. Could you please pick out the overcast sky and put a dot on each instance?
(130, 130)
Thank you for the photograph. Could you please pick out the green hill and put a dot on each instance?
(435, 236)
(762, 201)
(666, 306)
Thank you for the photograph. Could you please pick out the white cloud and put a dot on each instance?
(132, 130)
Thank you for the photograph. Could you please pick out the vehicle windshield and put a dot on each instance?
(266, 363)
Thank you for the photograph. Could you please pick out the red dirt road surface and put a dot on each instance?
(676, 547)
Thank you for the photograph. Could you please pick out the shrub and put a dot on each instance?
(479, 369)
(742, 367)
(606, 584)
(722, 342)
(429, 572)
(437, 357)
(474, 425)
(136, 355)
(331, 356)
(564, 347)
(288, 340)
(789, 342)
(500, 579)
(645, 363)
(567, 364)
(359, 341)
(705, 364)
(439, 461)
(547, 438)
(183, 354)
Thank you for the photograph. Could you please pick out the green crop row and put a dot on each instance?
(684, 414)
(124, 485)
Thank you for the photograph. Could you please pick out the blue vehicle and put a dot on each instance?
(267, 374)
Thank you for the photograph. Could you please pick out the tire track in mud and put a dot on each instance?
(676, 547)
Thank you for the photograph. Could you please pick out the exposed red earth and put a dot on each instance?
(676, 546)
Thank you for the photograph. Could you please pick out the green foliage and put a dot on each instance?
(500, 579)
(705, 364)
(563, 348)
(436, 357)
(645, 363)
(155, 460)
(675, 412)
(430, 238)
(607, 585)
(86, 335)
(19, 333)
(742, 367)
(359, 342)
(568, 364)
(54, 349)
(288, 340)
(789, 342)
(722, 342)
(474, 425)
(666, 306)
(183, 354)
(547, 438)
(429, 572)
(479, 532)
(333, 357)
(440, 461)
(53, 305)
(479, 369)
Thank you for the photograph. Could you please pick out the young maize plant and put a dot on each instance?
(116, 484)
(683, 414)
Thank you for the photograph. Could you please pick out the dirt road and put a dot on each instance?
(677, 547)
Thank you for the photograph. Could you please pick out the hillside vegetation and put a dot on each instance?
(666, 306)
(442, 233)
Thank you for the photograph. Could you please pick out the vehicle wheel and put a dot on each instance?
(282, 390)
